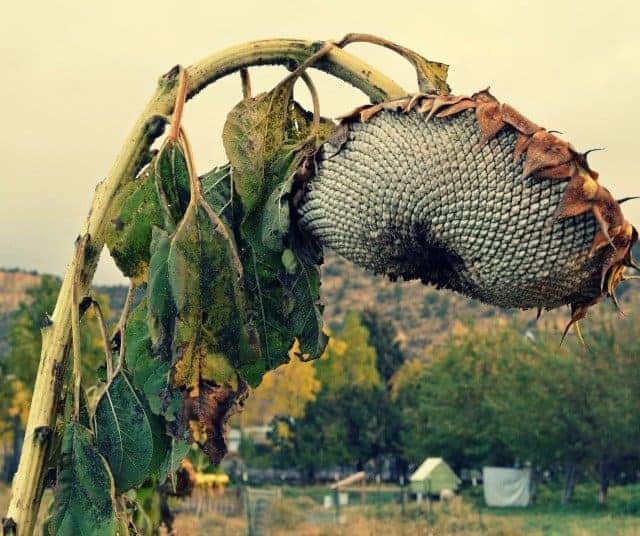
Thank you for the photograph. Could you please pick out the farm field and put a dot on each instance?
(300, 513)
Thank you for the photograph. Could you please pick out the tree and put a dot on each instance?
(349, 359)
(284, 391)
(352, 415)
(445, 406)
(351, 427)
(318, 440)
(19, 366)
(502, 397)
(383, 338)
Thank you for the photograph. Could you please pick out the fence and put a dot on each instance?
(263, 510)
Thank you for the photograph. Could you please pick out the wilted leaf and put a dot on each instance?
(157, 197)
(216, 188)
(432, 75)
(253, 133)
(283, 304)
(123, 433)
(208, 412)
(83, 503)
(210, 309)
(266, 139)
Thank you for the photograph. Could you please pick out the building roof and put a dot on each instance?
(423, 472)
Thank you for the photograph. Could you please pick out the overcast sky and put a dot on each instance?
(76, 74)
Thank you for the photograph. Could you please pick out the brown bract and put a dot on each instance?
(546, 157)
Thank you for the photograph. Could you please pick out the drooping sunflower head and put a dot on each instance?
(467, 193)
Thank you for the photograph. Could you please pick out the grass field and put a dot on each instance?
(301, 513)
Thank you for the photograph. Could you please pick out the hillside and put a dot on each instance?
(13, 287)
(422, 316)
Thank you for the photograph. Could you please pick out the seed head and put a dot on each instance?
(466, 193)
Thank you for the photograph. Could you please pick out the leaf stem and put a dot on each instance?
(431, 75)
(122, 324)
(181, 98)
(246, 83)
(316, 101)
(108, 354)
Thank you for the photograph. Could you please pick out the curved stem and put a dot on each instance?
(292, 53)
(27, 484)
(314, 98)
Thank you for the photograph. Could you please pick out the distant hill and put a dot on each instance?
(422, 316)
(13, 287)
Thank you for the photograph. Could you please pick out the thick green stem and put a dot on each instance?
(27, 484)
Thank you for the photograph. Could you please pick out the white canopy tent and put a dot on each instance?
(504, 486)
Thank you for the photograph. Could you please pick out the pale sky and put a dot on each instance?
(76, 74)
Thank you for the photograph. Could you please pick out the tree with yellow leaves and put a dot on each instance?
(284, 391)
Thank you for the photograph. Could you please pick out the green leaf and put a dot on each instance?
(158, 197)
(149, 373)
(178, 449)
(83, 504)
(128, 231)
(276, 219)
(172, 182)
(282, 285)
(123, 433)
(216, 188)
(161, 304)
(302, 294)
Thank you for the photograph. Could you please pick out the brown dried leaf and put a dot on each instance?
(522, 143)
(208, 411)
(484, 96)
(606, 209)
(461, 106)
(442, 101)
(490, 120)
(518, 121)
(600, 240)
(563, 171)
(425, 106)
(369, 112)
(574, 201)
(578, 312)
(613, 267)
(545, 150)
